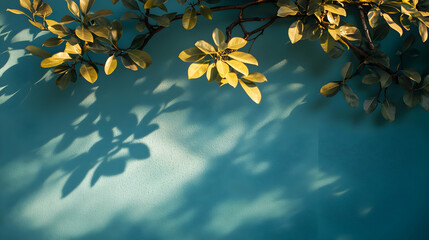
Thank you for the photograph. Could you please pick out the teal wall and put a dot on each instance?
(153, 155)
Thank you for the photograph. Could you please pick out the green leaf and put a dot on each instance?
(408, 42)
(63, 80)
(232, 79)
(129, 15)
(140, 57)
(347, 70)
(424, 100)
(243, 57)
(73, 8)
(388, 110)
(285, 11)
(218, 37)
(211, 73)
(238, 66)
(85, 5)
(374, 17)
(326, 41)
(128, 63)
(100, 31)
(335, 9)
(73, 49)
(161, 20)
(52, 42)
(236, 43)
(350, 32)
(222, 68)
(84, 34)
(189, 19)
(370, 79)
(205, 47)
(116, 30)
(206, 12)
(99, 14)
(36, 51)
(140, 26)
(385, 80)
(330, 89)
(197, 70)
(44, 11)
(351, 98)
(423, 30)
(88, 72)
(411, 98)
(370, 104)
(392, 23)
(412, 74)
(110, 65)
(295, 31)
(256, 77)
(130, 4)
(192, 54)
(252, 90)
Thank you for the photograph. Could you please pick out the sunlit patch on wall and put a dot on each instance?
(276, 67)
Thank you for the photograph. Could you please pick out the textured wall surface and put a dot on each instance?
(153, 155)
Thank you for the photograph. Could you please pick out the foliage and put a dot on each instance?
(85, 32)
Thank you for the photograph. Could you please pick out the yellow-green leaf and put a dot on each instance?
(392, 24)
(16, 11)
(140, 57)
(423, 30)
(256, 77)
(206, 12)
(73, 8)
(211, 72)
(128, 63)
(36, 51)
(238, 66)
(232, 79)
(222, 68)
(84, 34)
(205, 47)
(44, 11)
(52, 42)
(100, 31)
(110, 65)
(88, 72)
(37, 24)
(189, 19)
(335, 9)
(73, 49)
(85, 5)
(330, 89)
(285, 11)
(116, 30)
(327, 41)
(55, 60)
(252, 90)
(192, 54)
(243, 57)
(295, 31)
(218, 37)
(59, 30)
(236, 43)
(196, 70)
(25, 4)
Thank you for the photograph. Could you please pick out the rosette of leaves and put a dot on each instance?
(92, 32)
(224, 63)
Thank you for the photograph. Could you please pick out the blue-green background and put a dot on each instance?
(153, 155)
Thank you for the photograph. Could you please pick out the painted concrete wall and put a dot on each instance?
(153, 155)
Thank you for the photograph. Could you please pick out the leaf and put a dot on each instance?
(285, 11)
(411, 98)
(130, 4)
(370, 104)
(252, 90)
(350, 32)
(17, 12)
(52, 42)
(347, 70)
(36, 51)
(232, 79)
(26, 4)
(295, 31)
(116, 30)
(196, 70)
(63, 80)
(351, 98)
(408, 42)
(84, 34)
(128, 63)
(236, 43)
(88, 72)
(330, 89)
(423, 30)
(238, 66)
(218, 37)
(385, 80)
(161, 20)
(110, 65)
(99, 14)
(412, 74)
(243, 57)
(73, 8)
(37, 24)
(424, 100)
(85, 5)
(256, 77)
(326, 41)
(370, 79)
(374, 17)
(206, 12)
(392, 24)
(129, 15)
(189, 19)
(205, 47)
(388, 110)
(192, 54)
(37, 4)
(381, 31)
(100, 31)
(222, 68)
(73, 49)
(55, 60)
(140, 57)
(140, 26)
(211, 72)
(44, 11)
(335, 9)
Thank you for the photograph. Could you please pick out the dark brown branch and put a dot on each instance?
(365, 27)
